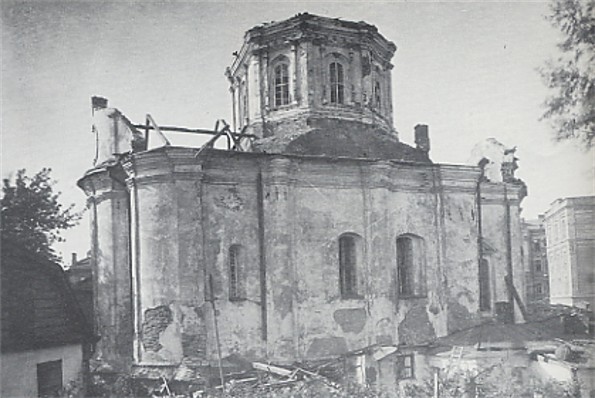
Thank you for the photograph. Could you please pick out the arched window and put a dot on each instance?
(411, 266)
(348, 256)
(235, 262)
(337, 81)
(484, 285)
(281, 83)
(377, 95)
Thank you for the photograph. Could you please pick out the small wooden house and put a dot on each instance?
(45, 339)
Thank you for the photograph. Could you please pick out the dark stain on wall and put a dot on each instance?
(383, 331)
(459, 317)
(326, 347)
(156, 321)
(193, 345)
(230, 200)
(371, 375)
(416, 327)
(283, 301)
(351, 320)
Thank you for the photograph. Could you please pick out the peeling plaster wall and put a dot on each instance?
(461, 279)
(188, 212)
(108, 208)
(157, 269)
(230, 218)
(495, 198)
(307, 206)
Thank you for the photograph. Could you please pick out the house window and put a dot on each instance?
(49, 378)
(537, 265)
(337, 83)
(410, 266)
(405, 367)
(348, 266)
(485, 302)
(235, 273)
(377, 95)
(538, 289)
(281, 85)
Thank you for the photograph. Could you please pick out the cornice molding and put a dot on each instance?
(163, 165)
(98, 181)
(167, 165)
(501, 192)
(316, 30)
(107, 195)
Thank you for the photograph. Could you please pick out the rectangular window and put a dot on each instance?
(406, 268)
(377, 95)
(405, 367)
(49, 378)
(347, 266)
(235, 273)
(411, 273)
(485, 300)
(337, 83)
(537, 265)
(281, 85)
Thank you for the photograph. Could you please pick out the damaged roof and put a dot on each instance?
(337, 138)
(512, 336)
(39, 308)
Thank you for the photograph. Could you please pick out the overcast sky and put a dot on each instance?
(467, 69)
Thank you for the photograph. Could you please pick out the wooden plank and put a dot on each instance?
(192, 131)
(271, 369)
(516, 296)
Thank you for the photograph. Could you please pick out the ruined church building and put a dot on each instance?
(317, 233)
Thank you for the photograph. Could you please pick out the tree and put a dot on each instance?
(32, 215)
(571, 107)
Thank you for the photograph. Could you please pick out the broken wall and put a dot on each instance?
(167, 271)
(108, 204)
(307, 205)
(286, 213)
(501, 231)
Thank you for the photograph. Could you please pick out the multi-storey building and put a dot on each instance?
(570, 232)
(535, 260)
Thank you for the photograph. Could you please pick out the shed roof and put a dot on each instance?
(512, 336)
(39, 308)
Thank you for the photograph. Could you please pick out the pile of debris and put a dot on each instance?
(264, 378)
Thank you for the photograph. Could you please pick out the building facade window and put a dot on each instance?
(411, 266)
(405, 367)
(538, 289)
(485, 300)
(377, 95)
(236, 285)
(537, 265)
(281, 84)
(348, 259)
(337, 83)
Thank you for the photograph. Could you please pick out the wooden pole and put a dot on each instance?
(436, 383)
(212, 296)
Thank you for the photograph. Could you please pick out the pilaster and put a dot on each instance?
(108, 205)
(281, 290)
(155, 259)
